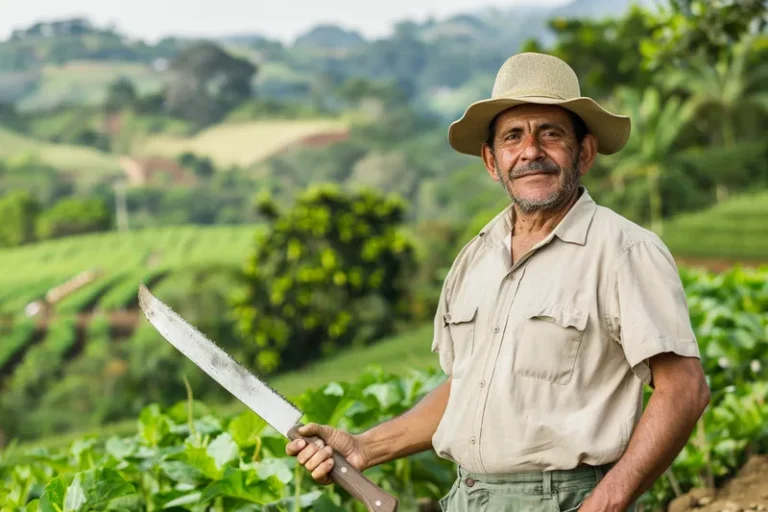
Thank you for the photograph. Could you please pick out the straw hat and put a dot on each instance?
(540, 79)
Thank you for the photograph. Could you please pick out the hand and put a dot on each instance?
(316, 457)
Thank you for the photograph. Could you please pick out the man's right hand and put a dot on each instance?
(316, 457)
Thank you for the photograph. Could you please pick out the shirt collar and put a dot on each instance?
(573, 228)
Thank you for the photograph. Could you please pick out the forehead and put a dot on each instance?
(533, 114)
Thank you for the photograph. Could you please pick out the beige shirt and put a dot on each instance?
(548, 357)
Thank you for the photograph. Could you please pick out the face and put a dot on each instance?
(536, 157)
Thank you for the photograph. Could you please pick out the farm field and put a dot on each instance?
(115, 254)
(86, 83)
(735, 229)
(243, 143)
(227, 458)
(75, 160)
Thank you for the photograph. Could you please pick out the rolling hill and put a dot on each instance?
(246, 143)
(81, 161)
(735, 229)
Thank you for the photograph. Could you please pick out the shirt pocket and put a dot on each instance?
(461, 322)
(548, 341)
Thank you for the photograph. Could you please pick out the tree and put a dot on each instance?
(702, 27)
(330, 272)
(19, 211)
(206, 83)
(729, 96)
(651, 148)
(120, 94)
(73, 216)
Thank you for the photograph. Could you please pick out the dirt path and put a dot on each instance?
(746, 491)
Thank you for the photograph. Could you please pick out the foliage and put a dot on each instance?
(74, 216)
(702, 27)
(190, 457)
(733, 229)
(331, 271)
(139, 254)
(187, 457)
(19, 212)
(207, 82)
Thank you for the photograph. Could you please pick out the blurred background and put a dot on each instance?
(281, 176)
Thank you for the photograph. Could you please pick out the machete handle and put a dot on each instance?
(353, 481)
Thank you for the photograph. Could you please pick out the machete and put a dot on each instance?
(281, 414)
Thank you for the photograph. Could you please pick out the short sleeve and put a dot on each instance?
(648, 306)
(442, 344)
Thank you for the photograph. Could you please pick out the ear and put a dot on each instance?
(588, 153)
(490, 161)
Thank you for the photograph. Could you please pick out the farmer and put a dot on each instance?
(550, 321)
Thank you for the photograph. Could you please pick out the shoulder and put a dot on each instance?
(622, 237)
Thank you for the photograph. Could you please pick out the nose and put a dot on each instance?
(531, 150)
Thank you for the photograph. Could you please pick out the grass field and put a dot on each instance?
(86, 83)
(242, 143)
(735, 229)
(122, 259)
(398, 354)
(78, 160)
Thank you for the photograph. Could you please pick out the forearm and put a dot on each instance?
(661, 434)
(410, 432)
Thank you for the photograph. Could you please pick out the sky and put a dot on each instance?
(278, 19)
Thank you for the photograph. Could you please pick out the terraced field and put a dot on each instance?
(102, 273)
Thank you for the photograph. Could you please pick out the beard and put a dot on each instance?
(569, 182)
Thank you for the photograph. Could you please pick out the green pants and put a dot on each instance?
(551, 491)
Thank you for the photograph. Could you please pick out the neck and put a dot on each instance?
(542, 222)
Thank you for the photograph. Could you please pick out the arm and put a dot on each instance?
(680, 396)
(399, 437)
(407, 434)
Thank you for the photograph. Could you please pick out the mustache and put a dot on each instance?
(534, 168)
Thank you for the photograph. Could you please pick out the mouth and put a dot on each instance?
(535, 173)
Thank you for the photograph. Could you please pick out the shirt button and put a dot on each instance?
(511, 277)
(472, 440)
(470, 482)
(482, 383)
(495, 329)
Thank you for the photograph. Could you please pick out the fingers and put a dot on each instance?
(320, 474)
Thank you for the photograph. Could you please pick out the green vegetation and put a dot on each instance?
(243, 143)
(232, 459)
(734, 229)
(331, 272)
(78, 160)
(86, 83)
(129, 256)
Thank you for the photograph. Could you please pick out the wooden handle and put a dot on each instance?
(353, 481)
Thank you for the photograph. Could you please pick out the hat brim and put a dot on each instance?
(467, 134)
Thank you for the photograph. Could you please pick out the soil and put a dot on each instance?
(746, 491)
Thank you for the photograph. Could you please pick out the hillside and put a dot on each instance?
(80, 161)
(85, 83)
(246, 143)
(734, 229)
(119, 261)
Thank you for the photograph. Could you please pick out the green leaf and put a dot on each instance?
(181, 472)
(85, 491)
(280, 468)
(52, 499)
(153, 425)
(388, 394)
(120, 448)
(245, 485)
(187, 499)
(245, 429)
(223, 449)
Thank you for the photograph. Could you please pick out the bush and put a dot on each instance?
(331, 272)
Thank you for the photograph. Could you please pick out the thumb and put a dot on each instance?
(313, 429)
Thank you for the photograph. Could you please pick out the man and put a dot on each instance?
(550, 321)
